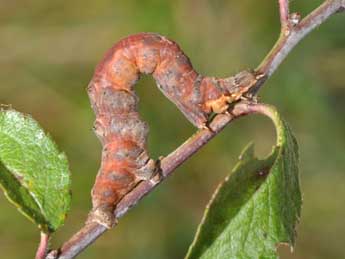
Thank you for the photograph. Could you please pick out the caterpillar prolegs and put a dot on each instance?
(123, 134)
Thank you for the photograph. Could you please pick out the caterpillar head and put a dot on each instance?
(235, 88)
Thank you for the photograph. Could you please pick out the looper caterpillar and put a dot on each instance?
(123, 134)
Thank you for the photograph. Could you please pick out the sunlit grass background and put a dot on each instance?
(48, 50)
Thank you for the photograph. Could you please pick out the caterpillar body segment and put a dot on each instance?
(118, 125)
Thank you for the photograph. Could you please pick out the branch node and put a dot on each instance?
(294, 19)
(53, 254)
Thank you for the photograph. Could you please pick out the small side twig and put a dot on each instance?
(284, 12)
(43, 246)
(297, 30)
(292, 32)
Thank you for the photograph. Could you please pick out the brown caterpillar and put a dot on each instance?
(125, 160)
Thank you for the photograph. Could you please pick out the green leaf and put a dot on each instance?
(257, 207)
(33, 173)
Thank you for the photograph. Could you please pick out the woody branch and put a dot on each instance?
(293, 30)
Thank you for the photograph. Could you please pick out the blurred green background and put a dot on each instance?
(48, 50)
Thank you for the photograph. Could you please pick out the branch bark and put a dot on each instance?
(42, 249)
(284, 12)
(292, 32)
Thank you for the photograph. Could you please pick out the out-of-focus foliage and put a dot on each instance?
(48, 50)
(34, 174)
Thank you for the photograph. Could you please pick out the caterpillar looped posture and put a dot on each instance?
(123, 134)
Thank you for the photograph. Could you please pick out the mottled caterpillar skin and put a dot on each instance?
(123, 134)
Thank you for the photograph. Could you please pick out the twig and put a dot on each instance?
(296, 32)
(284, 12)
(92, 231)
(292, 32)
(43, 246)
